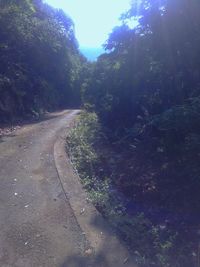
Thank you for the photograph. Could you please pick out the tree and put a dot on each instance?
(39, 58)
(145, 91)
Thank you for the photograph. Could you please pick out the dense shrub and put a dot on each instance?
(145, 91)
(40, 61)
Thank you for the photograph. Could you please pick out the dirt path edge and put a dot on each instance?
(96, 230)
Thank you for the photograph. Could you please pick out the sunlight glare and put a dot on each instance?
(93, 19)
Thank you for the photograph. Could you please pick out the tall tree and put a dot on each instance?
(39, 57)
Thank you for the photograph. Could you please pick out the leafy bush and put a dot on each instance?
(155, 242)
(40, 61)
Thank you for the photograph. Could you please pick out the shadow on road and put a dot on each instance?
(5, 135)
(31, 119)
(78, 261)
(108, 255)
(8, 129)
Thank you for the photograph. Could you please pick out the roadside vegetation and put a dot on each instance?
(136, 145)
(137, 149)
(113, 175)
(40, 64)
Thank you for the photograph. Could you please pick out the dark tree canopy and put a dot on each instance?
(153, 67)
(146, 92)
(40, 61)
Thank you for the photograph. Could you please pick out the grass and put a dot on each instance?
(99, 165)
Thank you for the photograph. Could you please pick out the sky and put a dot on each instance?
(93, 19)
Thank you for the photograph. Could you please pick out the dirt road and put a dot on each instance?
(37, 224)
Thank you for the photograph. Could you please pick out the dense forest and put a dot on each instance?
(139, 156)
(40, 62)
(136, 145)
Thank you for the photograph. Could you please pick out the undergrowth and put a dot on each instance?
(154, 243)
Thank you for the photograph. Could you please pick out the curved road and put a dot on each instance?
(37, 225)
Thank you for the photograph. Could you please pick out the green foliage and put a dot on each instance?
(153, 242)
(150, 68)
(145, 91)
(40, 61)
(85, 134)
(85, 155)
